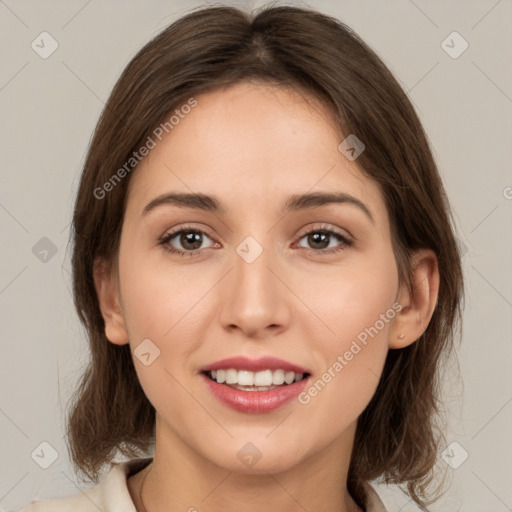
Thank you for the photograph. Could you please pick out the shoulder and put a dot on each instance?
(109, 495)
(78, 502)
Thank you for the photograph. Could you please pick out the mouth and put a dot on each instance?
(254, 392)
(263, 374)
(246, 380)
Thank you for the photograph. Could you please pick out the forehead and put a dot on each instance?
(252, 145)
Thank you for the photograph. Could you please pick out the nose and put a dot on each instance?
(254, 297)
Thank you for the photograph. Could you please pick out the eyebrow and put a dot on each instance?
(294, 203)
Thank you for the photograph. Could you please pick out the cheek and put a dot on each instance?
(162, 303)
(349, 299)
(158, 305)
(350, 344)
(156, 295)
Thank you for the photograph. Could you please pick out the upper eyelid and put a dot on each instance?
(319, 226)
(325, 227)
(172, 233)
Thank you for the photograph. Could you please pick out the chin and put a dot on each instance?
(257, 457)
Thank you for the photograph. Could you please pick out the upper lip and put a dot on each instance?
(254, 365)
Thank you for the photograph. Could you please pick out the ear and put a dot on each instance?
(107, 289)
(417, 307)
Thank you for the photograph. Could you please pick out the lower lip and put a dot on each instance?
(255, 402)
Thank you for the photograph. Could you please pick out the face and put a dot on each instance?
(313, 286)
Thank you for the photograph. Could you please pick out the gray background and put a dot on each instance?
(49, 108)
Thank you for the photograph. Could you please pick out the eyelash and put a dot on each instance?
(164, 241)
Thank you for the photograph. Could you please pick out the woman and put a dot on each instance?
(289, 355)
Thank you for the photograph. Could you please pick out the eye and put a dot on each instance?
(189, 238)
(321, 238)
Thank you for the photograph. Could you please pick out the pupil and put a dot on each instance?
(193, 238)
(320, 238)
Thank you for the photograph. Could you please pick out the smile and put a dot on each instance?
(254, 381)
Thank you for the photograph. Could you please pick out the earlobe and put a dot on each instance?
(418, 305)
(105, 282)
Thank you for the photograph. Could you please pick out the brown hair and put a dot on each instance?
(396, 436)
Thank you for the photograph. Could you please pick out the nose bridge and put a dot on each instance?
(254, 297)
(254, 256)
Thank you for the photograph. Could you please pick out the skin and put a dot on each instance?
(253, 145)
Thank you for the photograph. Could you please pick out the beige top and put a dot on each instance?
(111, 494)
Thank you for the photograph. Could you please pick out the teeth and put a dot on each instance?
(263, 380)
(278, 377)
(289, 377)
(245, 378)
(231, 376)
